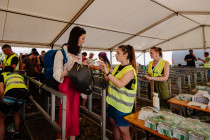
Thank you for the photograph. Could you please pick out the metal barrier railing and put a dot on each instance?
(102, 94)
(51, 118)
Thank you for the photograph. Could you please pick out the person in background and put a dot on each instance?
(190, 59)
(31, 65)
(206, 62)
(103, 57)
(11, 59)
(13, 93)
(121, 90)
(91, 55)
(20, 58)
(41, 58)
(84, 56)
(33, 50)
(158, 71)
(60, 74)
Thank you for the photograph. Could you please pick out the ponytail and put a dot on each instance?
(131, 55)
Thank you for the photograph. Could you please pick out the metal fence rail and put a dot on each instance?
(51, 118)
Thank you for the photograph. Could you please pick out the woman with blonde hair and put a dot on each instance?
(158, 71)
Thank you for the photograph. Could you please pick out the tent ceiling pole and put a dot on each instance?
(186, 49)
(174, 37)
(99, 28)
(111, 56)
(102, 29)
(144, 57)
(173, 11)
(30, 15)
(204, 38)
(22, 42)
(87, 4)
(194, 12)
(5, 20)
(144, 30)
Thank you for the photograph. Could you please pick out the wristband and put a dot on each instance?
(153, 78)
(108, 74)
(67, 70)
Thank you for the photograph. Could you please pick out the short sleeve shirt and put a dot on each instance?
(192, 62)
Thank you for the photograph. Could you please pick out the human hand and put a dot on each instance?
(75, 59)
(102, 66)
(86, 62)
(199, 58)
(149, 78)
(189, 59)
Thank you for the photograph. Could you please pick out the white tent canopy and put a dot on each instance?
(170, 24)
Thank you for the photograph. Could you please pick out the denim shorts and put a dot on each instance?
(118, 116)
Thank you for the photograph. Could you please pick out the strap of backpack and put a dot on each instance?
(64, 56)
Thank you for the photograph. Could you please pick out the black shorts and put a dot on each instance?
(13, 99)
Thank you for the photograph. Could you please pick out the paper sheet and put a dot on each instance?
(203, 106)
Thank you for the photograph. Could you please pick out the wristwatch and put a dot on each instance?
(108, 73)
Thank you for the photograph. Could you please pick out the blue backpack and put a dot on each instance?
(49, 62)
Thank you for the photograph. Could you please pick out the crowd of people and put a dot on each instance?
(122, 81)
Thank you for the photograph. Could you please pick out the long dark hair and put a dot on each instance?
(131, 55)
(104, 56)
(75, 33)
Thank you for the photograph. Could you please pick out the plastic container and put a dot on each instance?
(165, 129)
(180, 133)
(156, 101)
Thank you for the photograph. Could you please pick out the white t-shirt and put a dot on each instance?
(58, 63)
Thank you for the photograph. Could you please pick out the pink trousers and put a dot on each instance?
(72, 108)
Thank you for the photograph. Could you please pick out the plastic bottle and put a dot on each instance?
(156, 101)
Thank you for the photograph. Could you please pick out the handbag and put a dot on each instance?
(81, 78)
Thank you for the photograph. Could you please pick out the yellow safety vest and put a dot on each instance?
(158, 69)
(12, 80)
(122, 98)
(7, 62)
(207, 64)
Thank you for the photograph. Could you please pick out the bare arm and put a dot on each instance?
(120, 83)
(127, 77)
(22, 66)
(1, 90)
(204, 61)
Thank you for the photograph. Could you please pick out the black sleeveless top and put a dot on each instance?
(128, 86)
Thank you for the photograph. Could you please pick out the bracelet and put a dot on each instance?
(67, 70)
(108, 74)
(153, 78)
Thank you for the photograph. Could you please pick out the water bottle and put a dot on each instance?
(156, 101)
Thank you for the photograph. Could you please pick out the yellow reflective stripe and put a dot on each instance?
(120, 101)
(11, 78)
(16, 82)
(121, 91)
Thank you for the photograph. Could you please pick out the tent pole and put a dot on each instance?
(111, 56)
(204, 38)
(144, 58)
(144, 30)
(176, 36)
